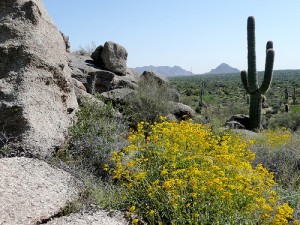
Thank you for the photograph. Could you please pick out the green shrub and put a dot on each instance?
(289, 120)
(150, 101)
(104, 194)
(96, 134)
(292, 197)
(88, 49)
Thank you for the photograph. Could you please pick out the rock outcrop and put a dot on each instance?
(37, 99)
(97, 78)
(32, 191)
(118, 96)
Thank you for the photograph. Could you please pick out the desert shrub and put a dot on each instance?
(150, 101)
(103, 193)
(88, 49)
(292, 197)
(279, 152)
(288, 120)
(182, 173)
(96, 134)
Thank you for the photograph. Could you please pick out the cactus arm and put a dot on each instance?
(269, 45)
(268, 71)
(252, 73)
(244, 77)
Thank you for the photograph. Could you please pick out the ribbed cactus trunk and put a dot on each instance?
(250, 80)
(294, 96)
(255, 111)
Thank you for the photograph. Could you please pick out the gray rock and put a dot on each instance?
(103, 81)
(117, 96)
(238, 121)
(81, 66)
(97, 80)
(96, 217)
(247, 134)
(83, 63)
(182, 111)
(234, 125)
(130, 80)
(33, 191)
(174, 95)
(80, 91)
(37, 99)
(114, 57)
(154, 75)
(96, 56)
(103, 74)
(100, 81)
(67, 41)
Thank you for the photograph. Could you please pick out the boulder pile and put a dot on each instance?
(105, 70)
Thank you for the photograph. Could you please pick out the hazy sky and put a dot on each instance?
(197, 34)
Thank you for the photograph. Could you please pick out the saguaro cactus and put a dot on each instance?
(294, 96)
(201, 101)
(250, 79)
(286, 95)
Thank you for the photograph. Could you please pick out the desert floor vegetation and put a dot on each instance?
(187, 172)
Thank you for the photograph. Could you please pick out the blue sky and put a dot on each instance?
(197, 34)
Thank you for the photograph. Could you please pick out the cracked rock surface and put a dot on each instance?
(32, 191)
(98, 217)
(37, 98)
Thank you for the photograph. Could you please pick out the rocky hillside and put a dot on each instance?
(42, 87)
(39, 97)
(223, 69)
(164, 70)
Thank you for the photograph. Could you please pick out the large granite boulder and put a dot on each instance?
(32, 191)
(238, 121)
(146, 75)
(112, 57)
(182, 111)
(37, 99)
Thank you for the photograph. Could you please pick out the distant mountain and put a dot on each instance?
(164, 70)
(223, 69)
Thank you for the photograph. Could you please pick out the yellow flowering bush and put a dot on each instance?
(276, 138)
(181, 173)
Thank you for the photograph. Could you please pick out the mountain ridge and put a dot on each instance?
(164, 70)
(223, 68)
